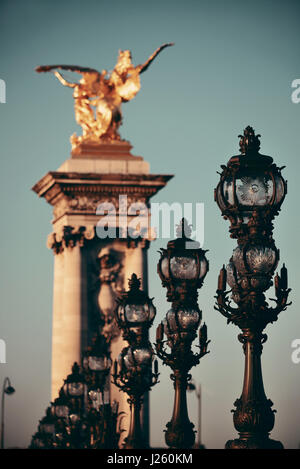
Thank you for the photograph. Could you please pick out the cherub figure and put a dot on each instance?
(98, 96)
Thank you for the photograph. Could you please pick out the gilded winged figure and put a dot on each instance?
(98, 96)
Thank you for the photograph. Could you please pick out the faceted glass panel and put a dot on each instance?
(169, 322)
(38, 443)
(183, 267)
(238, 261)
(261, 259)
(203, 268)
(139, 356)
(251, 190)
(228, 190)
(231, 280)
(99, 363)
(164, 267)
(143, 356)
(136, 313)
(75, 389)
(61, 411)
(48, 428)
(188, 319)
(121, 313)
(279, 189)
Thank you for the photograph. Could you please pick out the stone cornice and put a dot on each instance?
(81, 193)
(55, 183)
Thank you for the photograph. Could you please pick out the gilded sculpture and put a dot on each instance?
(98, 96)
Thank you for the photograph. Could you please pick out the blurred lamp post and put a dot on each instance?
(132, 372)
(6, 389)
(192, 386)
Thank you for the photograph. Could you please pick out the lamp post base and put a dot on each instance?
(180, 435)
(253, 442)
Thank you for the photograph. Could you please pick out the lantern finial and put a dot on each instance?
(183, 229)
(249, 142)
(134, 283)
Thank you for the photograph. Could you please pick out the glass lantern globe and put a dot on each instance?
(255, 259)
(135, 308)
(60, 406)
(183, 260)
(38, 441)
(47, 424)
(182, 320)
(74, 385)
(99, 363)
(136, 356)
(97, 357)
(250, 182)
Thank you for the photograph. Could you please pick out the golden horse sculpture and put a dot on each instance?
(98, 96)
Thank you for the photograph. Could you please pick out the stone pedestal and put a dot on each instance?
(83, 263)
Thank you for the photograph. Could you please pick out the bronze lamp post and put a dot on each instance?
(132, 372)
(182, 269)
(249, 194)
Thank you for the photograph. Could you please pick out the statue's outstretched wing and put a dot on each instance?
(70, 68)
(144, 67)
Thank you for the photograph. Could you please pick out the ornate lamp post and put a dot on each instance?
(8, 390)
(82, 415)
(133, 372)
(97, 364)
(249, 194)
(182, 269)
(101, 418)
(75, 389)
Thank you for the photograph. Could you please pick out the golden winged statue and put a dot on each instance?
(98, 96)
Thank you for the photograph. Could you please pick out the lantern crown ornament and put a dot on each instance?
(182, 268)
(251, 190)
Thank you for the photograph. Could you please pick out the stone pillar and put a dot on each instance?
(96, 174)
(67, 306)
(57, 323)
(71, 307)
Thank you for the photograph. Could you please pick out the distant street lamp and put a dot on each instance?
(192, 386)
(249, 194)
(6, 389)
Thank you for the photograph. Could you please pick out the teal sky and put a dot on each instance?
(232, 66)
